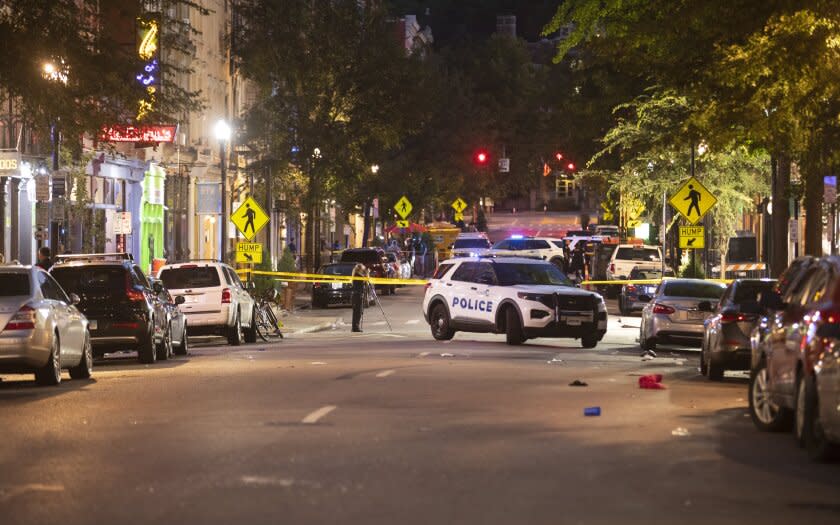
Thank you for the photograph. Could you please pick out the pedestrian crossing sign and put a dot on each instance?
(459, 205)
(403, 224)
(249, 218)
(693, 200)
(403, 207)
(692, 237)
(249, 252)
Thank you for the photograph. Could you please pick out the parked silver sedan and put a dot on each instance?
(677, 311)
(42, 331)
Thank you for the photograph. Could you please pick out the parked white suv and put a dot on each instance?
(629, 256)
(471, 244)
(216, 302)
(543, 248)
(521, 298)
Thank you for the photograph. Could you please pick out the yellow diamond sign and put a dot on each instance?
(249, 218)
(459, 205)
(693, 200)
(403, 207)
(249, 252)
(692, 237)
(403, 224)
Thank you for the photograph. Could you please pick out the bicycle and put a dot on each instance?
(267, 323)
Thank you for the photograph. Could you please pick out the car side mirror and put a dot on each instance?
(645, 298)
(704, 306)
(180, 299)
(157, 286)
(74, 299)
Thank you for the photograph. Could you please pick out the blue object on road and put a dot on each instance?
(592, 411)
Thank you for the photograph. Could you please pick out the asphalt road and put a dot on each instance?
(392, 427)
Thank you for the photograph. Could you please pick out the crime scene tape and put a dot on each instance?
(297, 277)
(644, 281)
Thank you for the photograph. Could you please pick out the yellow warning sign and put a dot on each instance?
(693, 200)
(458, 217)
(403, 224)
(249, 218)
(249, 252)
(692, 237)
(459, 205)
(403, 207)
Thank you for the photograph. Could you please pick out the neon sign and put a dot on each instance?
(164, 133)
(149, 77)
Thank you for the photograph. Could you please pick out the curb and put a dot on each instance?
(322, 327)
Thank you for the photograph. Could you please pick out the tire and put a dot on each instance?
(799, 411)
(766, 415)
(234, 333)
(50, 373)
(589, 341)
(817, 445)
(621, 309)
(164, 349)
(183, 348)
(704, 368)
(645, 343)
(146, 353)
(85, 367)
(264, 325)
(513, 327)
(251, 331)
(714, 370)
(440, 323)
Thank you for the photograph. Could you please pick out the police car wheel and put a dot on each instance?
(439, 318)
(589, 341)
(513, 327)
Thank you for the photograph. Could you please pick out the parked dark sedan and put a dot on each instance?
(726, 341)
(376, 263)
(634, 297)
(177, 319)
(335, 293)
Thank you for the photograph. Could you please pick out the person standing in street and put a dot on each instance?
(360, 285)
(44, 258)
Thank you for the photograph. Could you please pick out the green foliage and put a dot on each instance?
(693, 268)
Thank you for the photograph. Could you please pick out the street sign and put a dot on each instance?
(459, 205)
(693, 200)
(122, 223)
(458, 217)
(403, 224)
(42, 235)
(249, 218)
(504, 165)
(42, 215)
(249, 252)
(43, 188)
(403, 207)
(692, 237)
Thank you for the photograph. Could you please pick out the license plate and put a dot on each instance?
(336, 286)
(92, 324)
(695, 316)
(573, 322)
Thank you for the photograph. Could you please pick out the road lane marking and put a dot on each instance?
(377, 323)
(316, 363)
(424, 354)
(313, 417)
(10, 492)
(385, 373)
(413, 321)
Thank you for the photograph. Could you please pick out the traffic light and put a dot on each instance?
(481, 157)
(558, 156)
(570, 166)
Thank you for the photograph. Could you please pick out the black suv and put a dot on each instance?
(123, 310)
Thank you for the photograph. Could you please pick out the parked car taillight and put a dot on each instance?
(226, 296)
(631, 287)
(612, 267)
(663, 309)
(132, 293)
(24, 319)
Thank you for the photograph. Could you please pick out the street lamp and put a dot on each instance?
(374, 169)
(222, 132)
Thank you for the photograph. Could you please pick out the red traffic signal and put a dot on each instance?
(570, 167)
(558, 156)
(481, 157)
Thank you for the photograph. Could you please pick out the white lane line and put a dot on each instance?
(7, 493)
(318, 414)
(377, 323)
(424, 354)
(317, 363)
(412, 321)
(385, 373)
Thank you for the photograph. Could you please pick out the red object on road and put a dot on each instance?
(652, 382)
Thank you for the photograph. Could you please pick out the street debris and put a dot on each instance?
(652, 382)
(578, 382)
(555, 359)
(647, 357)
(447, 354)
(681, 432)
(317, 363)
(592, 411)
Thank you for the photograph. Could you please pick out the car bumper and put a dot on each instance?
(338, 296)
(663, 330)
(23, 350)
(634, 305)
(208, 316)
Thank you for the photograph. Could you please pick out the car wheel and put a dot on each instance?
(85, 367)
(621, 309)
(799, 411)
(704, 368)
(146, 352)
(50, 373)
(164, 349)
(251, 332)
(715, 370)
(589, 340)
(644, 342)
(235, 332)
(183, 348)
(765, 413)
(816, 443)
(513, 327)
(440, 323)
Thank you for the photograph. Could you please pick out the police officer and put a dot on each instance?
(358, 297)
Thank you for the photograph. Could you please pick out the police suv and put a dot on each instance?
(519, 297)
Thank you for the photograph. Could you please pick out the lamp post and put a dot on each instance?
(55, 72)
(222, 132)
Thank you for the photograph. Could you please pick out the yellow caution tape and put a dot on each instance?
(644, 281)
(294, 277)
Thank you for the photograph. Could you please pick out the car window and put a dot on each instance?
(13, 284)
(50, 289)
(234, 278)
(190, 277)
(502, 245)
(799, 294)
(485, 274)
(536, 244)
(466, 272)
(510, 274)
(817, 287)
(139, 277)
(628, 253)
(472, 243)
(95, 280)
(749, 291)
(701, 290)
(726, 297)
(366, 257)
(337, 269)
(442, 270)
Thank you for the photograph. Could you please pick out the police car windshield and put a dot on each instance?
(472, 243)
(510, 274)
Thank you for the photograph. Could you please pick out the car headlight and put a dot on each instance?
(531, 296)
